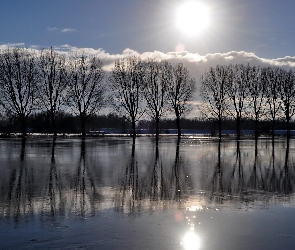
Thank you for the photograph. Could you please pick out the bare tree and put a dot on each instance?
(53, 83)
(256, 97)
(237, 92)
(125, 81)
(287, 96)
(18, 80)
(272, 78)
(213, 84)
(180, 91)
(87, 94)
(155, 89)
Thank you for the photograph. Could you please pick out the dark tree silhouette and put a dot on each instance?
(257, 93)
(53, 83)
(272, 78)
(237, 93)
(155, 89)
(18, 81)
(125, 82)
(180, 91)
(213, 84)
(287, 97)
(87, 89)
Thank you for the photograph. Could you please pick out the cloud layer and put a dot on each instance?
(63, 30)
(197, 64)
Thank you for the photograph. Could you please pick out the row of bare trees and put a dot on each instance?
(248, 92)
(32, 82)
(48, 82)
(151, 87)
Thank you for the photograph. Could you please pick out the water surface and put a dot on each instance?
(108, 193)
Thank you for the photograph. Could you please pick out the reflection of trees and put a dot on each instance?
(287, 174)
(23, 149)
(129, 192)
(53, 198)
(86, 193)
(253, 174)
(176, 175)
(217, 185)
(268, 174)
(274, 177)
(278, 177)
(271, 176)
(159, 185)
(24, 193)
(19, 198)
(155, 176)
(237, 173)
(168, 183)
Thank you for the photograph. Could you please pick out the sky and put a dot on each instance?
(263, 27)
(258, 32)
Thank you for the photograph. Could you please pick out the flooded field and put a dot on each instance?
(108, 193)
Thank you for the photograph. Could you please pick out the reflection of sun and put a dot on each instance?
(191, 241)
(192, 18)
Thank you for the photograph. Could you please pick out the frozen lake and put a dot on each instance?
(106, 193)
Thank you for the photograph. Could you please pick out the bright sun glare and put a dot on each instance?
(191, 241)
(192, 18)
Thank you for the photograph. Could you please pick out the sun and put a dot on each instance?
(192, 18)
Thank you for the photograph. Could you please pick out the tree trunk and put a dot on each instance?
(83, 127)
(288, 127)
(157, 127)
(53, 124)
(133, 147)
(178, 126)
(219, 127)
(256, 129)
(273, 129)
(23, 125)
(238, 127)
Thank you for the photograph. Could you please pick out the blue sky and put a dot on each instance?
(263, 27)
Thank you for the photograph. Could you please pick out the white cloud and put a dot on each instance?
(11, 45)
(107, 58)
(51, 28)
(67, 30)
(197, 64)
(63, 30)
